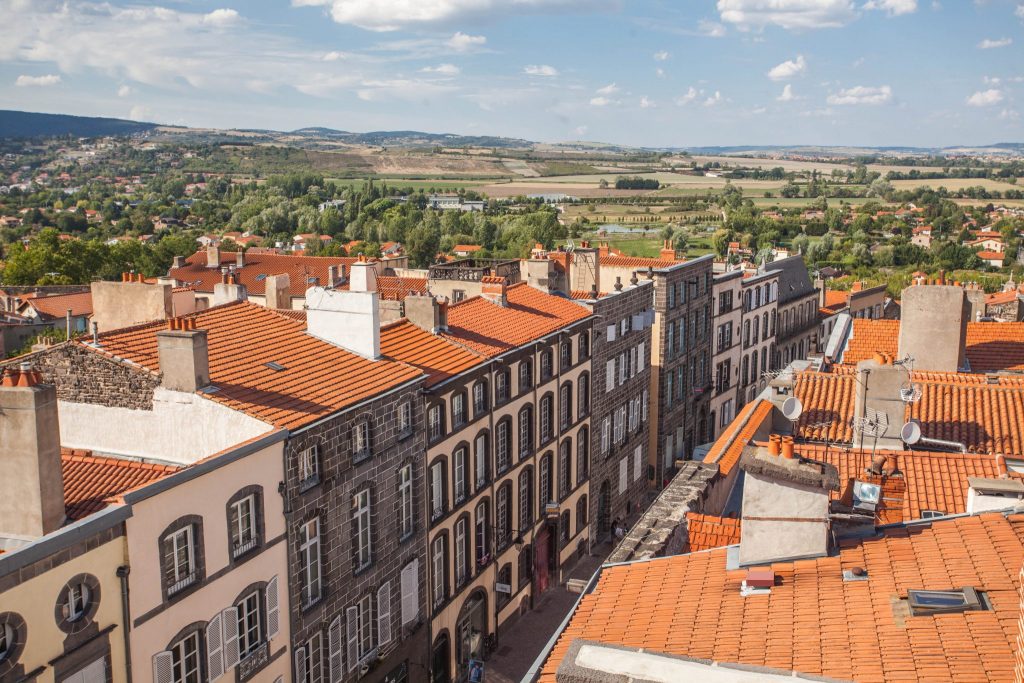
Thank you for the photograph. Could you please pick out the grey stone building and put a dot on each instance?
(798, 316)
(757, 333)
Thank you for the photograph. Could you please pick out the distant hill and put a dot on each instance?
(23, 124)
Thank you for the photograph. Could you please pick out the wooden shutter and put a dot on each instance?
(611, 333)
(300, 665)
(642, 355)
(163, 667)
(335, 643)
(609, 382)
(411, 592)
(622, 475)
(231, 654)
(384, 614)
(273, 608)
(352, 625)
(215, 647)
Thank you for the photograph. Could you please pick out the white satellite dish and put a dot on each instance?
(911, 432)
(792, 408)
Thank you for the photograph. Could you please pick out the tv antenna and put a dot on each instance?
(910, 392)
(874, 423)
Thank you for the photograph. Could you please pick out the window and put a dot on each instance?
(185, 660)
(439, 569)
(243, 525)
(483, 526)
(525, 566)
(435, 422)
(938, 602)
(405, 418)
(525, 500)
(584, 395)
(405, 503)
(309, 561)
(668, 389)
(525, 374)
(565, 406)
(563, 528)
(309, 655)
(181, 559)
(480, 402)
(8, 640)
(930, 514)
(76, 605)
(502, 450)
(361, 440)
(545, 482)
(546, 418)
(503, 519)
(459, 474)
(582, 455)
(584, 345)
(565, 354)
(619, 425)
(643, 407)
(309, 467)
(525, 432)
(505, 577)
(458, 410)
(564, 468)
(365, 627)
(581, 514)
(606, 434)
(461, 553)
(547, 362)
(670, 341)
(501, 386)
(250, 633)
(361, 524)
(437, 490)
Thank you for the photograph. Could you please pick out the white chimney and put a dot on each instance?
(349, 319)
(277, 291)
(212, 257)
(228, 290)
(363, 277)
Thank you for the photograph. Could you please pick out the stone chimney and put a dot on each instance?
(240, 258)
(933, 329)
(602, 249)
(667, 253)
(335, 275)
(857, 286)
(494, 289)
(879, 410)
(586, 269)
(129, 302)
(349, 319)
(31, 488)
(363, 276)
(229, 289)
(212, 257)
(785, 506)
(184, 354)
(540, 274)
(277, 291)
(179, 262)
(427, 312)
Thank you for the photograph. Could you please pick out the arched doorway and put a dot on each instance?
(440, 671)
(471, 630)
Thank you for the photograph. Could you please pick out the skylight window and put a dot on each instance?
(966, 599)
(261, 277)
(275, 366)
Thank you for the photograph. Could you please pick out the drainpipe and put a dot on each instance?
(122, 573)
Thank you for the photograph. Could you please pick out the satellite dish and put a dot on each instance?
(792, 408)
(911, 432)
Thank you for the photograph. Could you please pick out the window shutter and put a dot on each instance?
(410, 592)
(300, 665)
(334, 645)
(623, 466)
(273, 608)
(352, 625)
(163, 667)
(637, 463)
(642, 354)
(168, 561)
(610, 375)
(231, 654)
(611, 333)
(215, 648)
(384, 614)
(279, 679)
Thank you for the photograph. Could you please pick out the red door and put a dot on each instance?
(541, 550)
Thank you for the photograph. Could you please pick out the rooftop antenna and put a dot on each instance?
(910, 433)
(874, 424)
(792, 409)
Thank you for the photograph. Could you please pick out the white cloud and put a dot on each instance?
(690, 95)
(991, 80)
(661, 55)
(442, 70)
(646, 103)
(710, 29)
(985, 98)
(1019, 11)
(140, 113)
(602, 101)
(788, 69)
(462, 42)
(37, 81)
(787, 14)
(714, 99)
(991, 44)
(580, 131)
(336, 56)
(787, 94)
(1009, 115)
(660, 73)
(124, 91)
(862, 94)
(221, 17)
(540, 70)
(609, 89)
(391, 15)
(893, 8)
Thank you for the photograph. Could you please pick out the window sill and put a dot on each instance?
(243, 550)
(176, 588)
(361, 456)
(362, 569)
(310, 603)
(307, 484)
(405, 434)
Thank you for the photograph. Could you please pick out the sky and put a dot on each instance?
(656, 73)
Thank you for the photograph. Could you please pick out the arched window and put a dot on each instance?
(545, 482)
(502, 385)
(547, 418)
(565, 406)
(439, 568)
(565, 354)
(745, 372)
(461, 553)
(525, 566)
(483, 533)
(584, 394)
(581, 514)
(564, 468)
(482, 460)
(503, 515)
(746, 333)
(438, 489)
(503, 444)
(525, 431)
(525, 375)
(460, 474)
(584, 345)
(481, 398)
(547, 364)
(458, 409)
(582, 455)
(525, 500)
(775, 315)
(757, 328)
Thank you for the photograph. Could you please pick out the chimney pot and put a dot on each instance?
(240, 258)
(787, 448)
(774, 444)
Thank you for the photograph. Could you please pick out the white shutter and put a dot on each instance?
(273, 608)
(611, 333)
(334, 644)
(300, 665)
(384, 614)
(638, 321)
(610, 372)
(623, 374)
(623, 480)
(163, 667)
(411, 592)
(352, 624)
(231, 654)
(215, 648)
(637, 463)
(642, 356)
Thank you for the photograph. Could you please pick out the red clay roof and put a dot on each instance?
(319, 378)
(1002, 297)
(637, 262)
(435, 355)
(491, 329)
(707, 531)
(56, 306)
(726, 451)
(815, 623)
(397, 288)
(835, 300)
(991, 255)
(991, 347)
(466, 247)
(259, 263)
(91, 481)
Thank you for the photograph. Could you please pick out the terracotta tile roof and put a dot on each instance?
(637, 262)
(986, 418)
(397, 288)
(91, 481)
(726, 451)
(259, 264)
(991, 255)
(991, 347)
(56, 306)
(466, 247)
(433, 354)
(585, 295)
(815, 623)
(491, 329)
(319, 378)
(1002, 297)
(707, 531)
(835, 300)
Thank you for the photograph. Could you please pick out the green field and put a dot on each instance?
(439, 185)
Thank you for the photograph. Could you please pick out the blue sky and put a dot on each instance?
(637, 72)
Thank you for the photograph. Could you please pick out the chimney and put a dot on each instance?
(349, 319)
(494, 289)
(586, 269)
(212, 257)
(240, 259)
(540, 274)
(879, 410)
(785, 506)
(229, 290)
(32, 488)
(335, 275)
(667, 253)
(602, 249)
(276, 292)
(184, 355)
(933, 329)
(857, 286)
(427, 312)
(179, 262)
(363, 276)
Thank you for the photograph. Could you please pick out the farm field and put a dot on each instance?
(440, 185)
(954, 184)
(797, 165)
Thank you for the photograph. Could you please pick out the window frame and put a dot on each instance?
(179, 674)
(310, 560)
(362, 529)
(406, 502)
(250, 617)
(309, 467)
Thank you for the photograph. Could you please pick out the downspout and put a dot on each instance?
(122, 574)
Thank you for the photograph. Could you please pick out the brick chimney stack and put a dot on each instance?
(667, 253)
(184, 353)
(494, 289)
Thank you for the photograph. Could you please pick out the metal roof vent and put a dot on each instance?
(275, 366)
(855, 574)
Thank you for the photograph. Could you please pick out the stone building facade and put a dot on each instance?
(728, 321)
(760, 296)
(798, 316)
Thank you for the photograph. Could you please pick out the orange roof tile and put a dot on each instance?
(91, 481)
(1002, 297)
(435, 355)
(491, 329)
(835, 300)
(397, 288)
(815, 623)
(637, 262)
(56, 306)
(707, 531)
(259, 264)
(726, 451)
(319, 378)
(466, 247)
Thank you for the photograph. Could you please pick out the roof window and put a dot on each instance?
(275, 366)
(965, 599)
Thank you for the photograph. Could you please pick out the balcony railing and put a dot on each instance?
(474, 270)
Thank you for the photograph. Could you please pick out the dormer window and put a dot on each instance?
(966, 599)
